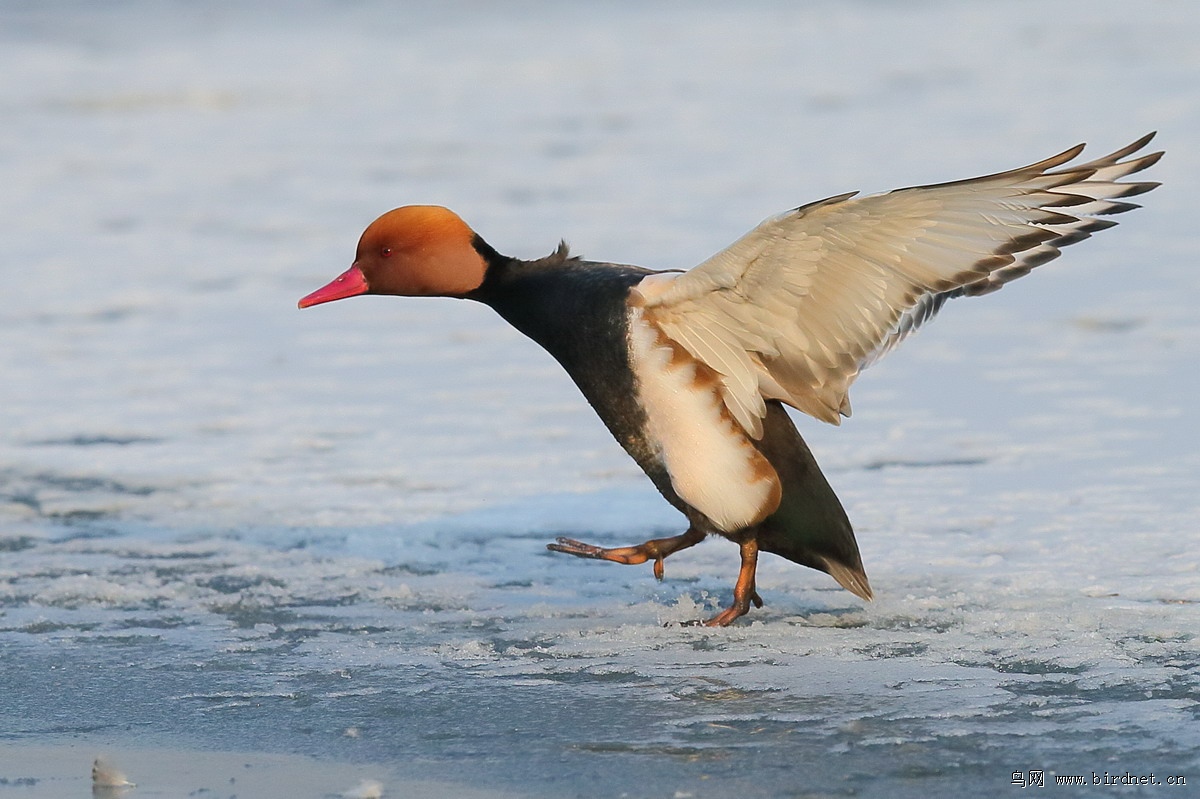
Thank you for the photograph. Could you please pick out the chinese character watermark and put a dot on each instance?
(1029, 779)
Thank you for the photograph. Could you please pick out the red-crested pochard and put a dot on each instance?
(690, 370)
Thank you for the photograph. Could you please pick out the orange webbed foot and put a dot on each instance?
(655, 549)
(744, 592)
(734, 612)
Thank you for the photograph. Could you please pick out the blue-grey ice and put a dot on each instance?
(225, 524)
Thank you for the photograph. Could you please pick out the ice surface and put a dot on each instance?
(227, 524)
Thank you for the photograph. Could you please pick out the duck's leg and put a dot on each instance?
(656, 549)
(743, 591)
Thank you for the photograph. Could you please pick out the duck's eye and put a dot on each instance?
(385, 252)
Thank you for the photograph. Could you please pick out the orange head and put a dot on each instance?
(414, 251)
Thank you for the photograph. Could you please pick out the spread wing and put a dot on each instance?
(797, 307)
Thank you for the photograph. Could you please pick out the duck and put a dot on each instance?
(693, 371)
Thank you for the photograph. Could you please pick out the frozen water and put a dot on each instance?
(226, 524)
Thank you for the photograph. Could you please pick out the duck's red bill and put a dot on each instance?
(348, 284)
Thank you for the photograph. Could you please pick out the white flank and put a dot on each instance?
(713, 466)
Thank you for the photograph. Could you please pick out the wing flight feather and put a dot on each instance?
(799, 306)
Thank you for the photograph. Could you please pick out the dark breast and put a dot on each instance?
(576, 310)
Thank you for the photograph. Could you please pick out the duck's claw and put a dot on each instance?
(627, 555)
(730, 614)
(655, 549)
(744, 592)
(576, 548)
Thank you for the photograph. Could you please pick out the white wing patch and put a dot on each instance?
(713, 466)
(796, 308)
